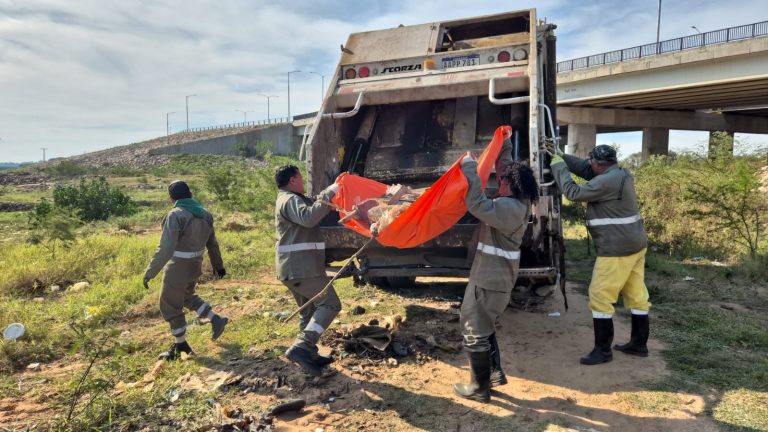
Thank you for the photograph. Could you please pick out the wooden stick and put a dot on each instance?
(336, 276)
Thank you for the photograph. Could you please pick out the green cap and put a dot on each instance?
(603, 152)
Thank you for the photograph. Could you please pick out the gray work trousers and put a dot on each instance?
(317, 317)
(178, 292)
(480, 311)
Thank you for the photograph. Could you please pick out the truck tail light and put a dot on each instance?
(350, 73)
(504, 56)
(364, 72)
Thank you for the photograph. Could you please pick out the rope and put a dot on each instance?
(336, 276)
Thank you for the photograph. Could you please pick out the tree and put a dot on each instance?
(97, 200)
(49, 226)
(726, 192)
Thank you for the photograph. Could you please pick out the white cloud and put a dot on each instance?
(77, 76)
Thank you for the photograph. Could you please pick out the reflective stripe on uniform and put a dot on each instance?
(613, 221)
(492, 250)
(601, 315)
(180, 254)
(179, 331)
(300, 247)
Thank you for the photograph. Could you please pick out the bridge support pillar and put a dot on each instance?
(582, 138)
(655, 142)
(720, 141)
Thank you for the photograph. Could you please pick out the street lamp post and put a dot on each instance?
(187, 97)
(268, 97)
(322, 85)
(289, 92)
(244, 114)
(658, 25)
(43, 149)
(168, 127)
(697, 29)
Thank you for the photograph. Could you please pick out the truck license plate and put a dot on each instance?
(454, 62)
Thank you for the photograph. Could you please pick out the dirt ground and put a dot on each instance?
(548, 389)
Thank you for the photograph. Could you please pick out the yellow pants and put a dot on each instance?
(623, 275)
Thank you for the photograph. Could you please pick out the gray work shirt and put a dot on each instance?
(183, 243)
(300, 250)
(613, 217)
(502, 226)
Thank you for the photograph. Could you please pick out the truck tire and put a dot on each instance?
(390, 281)
(401, 281)
(377, 281)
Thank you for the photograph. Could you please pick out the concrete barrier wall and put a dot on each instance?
(283, 138)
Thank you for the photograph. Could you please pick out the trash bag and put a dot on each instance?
(433, 213)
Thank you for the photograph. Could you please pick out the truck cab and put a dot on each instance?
(406, 102)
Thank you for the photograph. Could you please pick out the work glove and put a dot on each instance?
(467, 158)
(146, 282)
(556, 159)
(221, 272)
(552, 149)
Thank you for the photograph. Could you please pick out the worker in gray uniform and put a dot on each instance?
(613, 221)
(187, 233)
(494, 269)
(300, 262)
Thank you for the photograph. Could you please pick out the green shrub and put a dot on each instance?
(242, 189)
(48, 226)
(66, 168)
(97, 200)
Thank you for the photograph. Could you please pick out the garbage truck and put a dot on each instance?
(404, 103)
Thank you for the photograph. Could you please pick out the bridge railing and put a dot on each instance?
(678, 44)
(278, 120)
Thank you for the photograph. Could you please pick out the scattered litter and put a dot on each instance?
(282, 315)
(173, 395)
(391, 362)
(80, 286)
(373, 322)
(554, 314)
(433, 343)
(373, 303)
(38, 299)
(545, 290)
(34, 367)
(337, 321)
(718, 264)
(289, 406)
(689, 278)
(319, 430)
(147, 380)
(55, 288)
(357, 310)
(697, 258)
(14, 331)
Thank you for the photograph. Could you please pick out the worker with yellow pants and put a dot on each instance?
(613, 221)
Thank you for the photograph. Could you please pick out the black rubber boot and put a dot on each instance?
(304, 359)
(497, 374)
(218, 323)
(479, 387)
(174, 352)
(603, 339)
(637, 344)
(322, 361)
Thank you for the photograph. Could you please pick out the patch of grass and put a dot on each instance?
(743, 409)
(653, 402)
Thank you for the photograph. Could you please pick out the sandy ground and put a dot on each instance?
(548, 389)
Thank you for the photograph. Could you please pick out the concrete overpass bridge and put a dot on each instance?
(714, 81)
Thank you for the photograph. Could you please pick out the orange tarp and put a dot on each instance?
(433, 213)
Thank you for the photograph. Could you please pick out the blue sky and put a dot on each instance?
(83, 75)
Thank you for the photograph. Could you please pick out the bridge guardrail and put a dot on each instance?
(278, 120)
(714, 37)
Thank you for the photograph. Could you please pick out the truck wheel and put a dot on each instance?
(377, 281)
(401, 281)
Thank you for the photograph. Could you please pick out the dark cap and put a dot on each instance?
(603, 152)
(179, 189)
